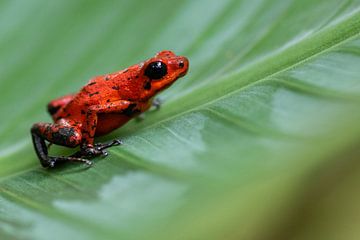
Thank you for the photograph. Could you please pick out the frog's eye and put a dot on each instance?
(156, 70)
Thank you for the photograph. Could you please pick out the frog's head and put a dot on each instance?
(161, 71)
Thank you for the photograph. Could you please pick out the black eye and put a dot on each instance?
(156, 70)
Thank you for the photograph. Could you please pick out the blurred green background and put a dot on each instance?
(259, 141)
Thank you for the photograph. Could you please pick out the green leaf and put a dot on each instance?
(259, 141)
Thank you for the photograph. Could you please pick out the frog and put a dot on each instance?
(104, 104)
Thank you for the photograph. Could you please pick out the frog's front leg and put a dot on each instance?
(146, 106)
(69, 136)
(89, 127)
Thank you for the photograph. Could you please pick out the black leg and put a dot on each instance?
(49, 161)
(40, 149)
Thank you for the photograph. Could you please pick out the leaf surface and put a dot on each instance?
(259, 141)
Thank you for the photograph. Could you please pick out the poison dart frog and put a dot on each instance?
(104, 104)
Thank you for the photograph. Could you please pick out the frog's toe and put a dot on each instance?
(103, 146)
(51, 163)
(117, 142)
(157, 103)
(104, 153)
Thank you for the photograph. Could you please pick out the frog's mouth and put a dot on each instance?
(183, 73)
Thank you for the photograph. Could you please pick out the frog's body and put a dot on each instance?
(106, 103)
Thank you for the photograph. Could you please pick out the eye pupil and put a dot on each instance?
(156, 70)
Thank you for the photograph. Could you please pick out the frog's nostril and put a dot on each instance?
(181, 64)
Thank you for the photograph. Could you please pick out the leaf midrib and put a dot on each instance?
(328, 39)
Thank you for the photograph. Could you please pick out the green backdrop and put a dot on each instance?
(259, 141)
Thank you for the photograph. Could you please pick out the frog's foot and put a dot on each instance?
(157, 103)
(52, 161)
(103, 146)
(97, 150)
(89, 152)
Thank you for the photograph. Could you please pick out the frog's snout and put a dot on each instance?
(183, 64)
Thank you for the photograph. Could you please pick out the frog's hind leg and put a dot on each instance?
(54, 106)
(58, 134)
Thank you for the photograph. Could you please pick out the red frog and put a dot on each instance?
(104, 104)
